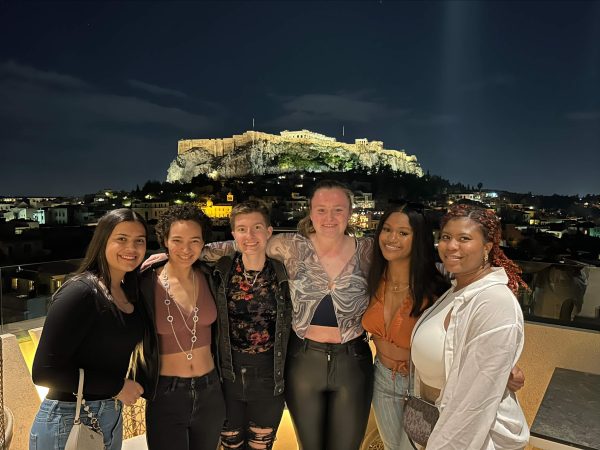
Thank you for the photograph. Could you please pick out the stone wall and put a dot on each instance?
(224, 146)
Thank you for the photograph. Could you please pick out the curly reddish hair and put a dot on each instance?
(492, 232)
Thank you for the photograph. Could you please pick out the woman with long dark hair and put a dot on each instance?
(403, 282)
(93, 323)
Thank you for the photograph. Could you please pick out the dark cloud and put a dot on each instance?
(584, 116)
(156, 90)
(342, 108)
(493, 82)
(12, 69)
(57, 124)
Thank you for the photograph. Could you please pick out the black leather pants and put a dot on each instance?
(328, 392)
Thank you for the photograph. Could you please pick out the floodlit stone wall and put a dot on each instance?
(224, 146)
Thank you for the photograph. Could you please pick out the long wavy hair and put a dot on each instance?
(491, 228)
(425, 280)
(305, 226)
(94, 265)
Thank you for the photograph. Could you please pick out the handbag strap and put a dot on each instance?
(411, 367)
(79, 396)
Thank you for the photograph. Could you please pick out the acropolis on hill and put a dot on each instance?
(223, 146)
(258, 153)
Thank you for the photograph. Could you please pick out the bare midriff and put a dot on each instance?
(177, 364)
(328, 335)
(391, 356)
(429, 393)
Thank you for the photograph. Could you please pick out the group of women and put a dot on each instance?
(232, 331)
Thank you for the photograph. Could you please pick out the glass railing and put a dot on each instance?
(561, 293)
(26, 291)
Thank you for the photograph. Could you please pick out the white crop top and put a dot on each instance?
(427, 349)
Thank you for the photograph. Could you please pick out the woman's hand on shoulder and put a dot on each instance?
(130, 392)
(516, 380)
(279, 246)
(153, 259)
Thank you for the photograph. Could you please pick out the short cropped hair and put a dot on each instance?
(248, 207)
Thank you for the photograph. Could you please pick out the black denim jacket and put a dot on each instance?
(223, 271)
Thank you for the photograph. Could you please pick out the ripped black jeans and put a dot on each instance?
(253, 413)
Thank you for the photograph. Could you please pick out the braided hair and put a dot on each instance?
(492, 232)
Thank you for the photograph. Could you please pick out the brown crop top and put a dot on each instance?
(401, 324)
(207, 314)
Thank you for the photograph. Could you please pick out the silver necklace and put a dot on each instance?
(248, 277)
(165, 282)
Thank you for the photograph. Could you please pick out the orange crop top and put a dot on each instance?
(401, 325)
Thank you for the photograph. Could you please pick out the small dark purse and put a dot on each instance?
(419, 419)
(419, 416)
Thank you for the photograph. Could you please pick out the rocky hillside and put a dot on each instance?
(265, 157)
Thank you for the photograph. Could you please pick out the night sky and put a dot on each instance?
(95, 95)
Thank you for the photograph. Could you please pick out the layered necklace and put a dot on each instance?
(397, 287)
(248, 277)
(168, 298)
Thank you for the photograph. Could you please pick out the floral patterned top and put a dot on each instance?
(252, 307)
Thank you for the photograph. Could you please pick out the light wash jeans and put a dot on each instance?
(388, 405)
(54, 420)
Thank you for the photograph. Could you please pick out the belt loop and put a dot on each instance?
(53, 406)
(174, 384)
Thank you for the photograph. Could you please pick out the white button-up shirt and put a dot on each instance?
(483, 342)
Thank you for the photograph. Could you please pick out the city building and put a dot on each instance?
(216, 210)
(150, 210)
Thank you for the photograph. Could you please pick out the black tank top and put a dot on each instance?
(325, 314)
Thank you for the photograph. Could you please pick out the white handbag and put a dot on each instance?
(82, 436)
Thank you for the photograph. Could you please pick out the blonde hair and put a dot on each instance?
(305, 226)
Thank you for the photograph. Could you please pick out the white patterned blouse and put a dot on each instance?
(309, 282)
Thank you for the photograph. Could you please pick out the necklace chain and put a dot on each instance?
(396, 286)
(165, 282)
(248, 277)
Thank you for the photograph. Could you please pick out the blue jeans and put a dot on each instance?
(54, 420)
(388, 405)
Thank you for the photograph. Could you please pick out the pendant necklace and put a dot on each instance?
(248, 277)
(396, 286)
(165, 282)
